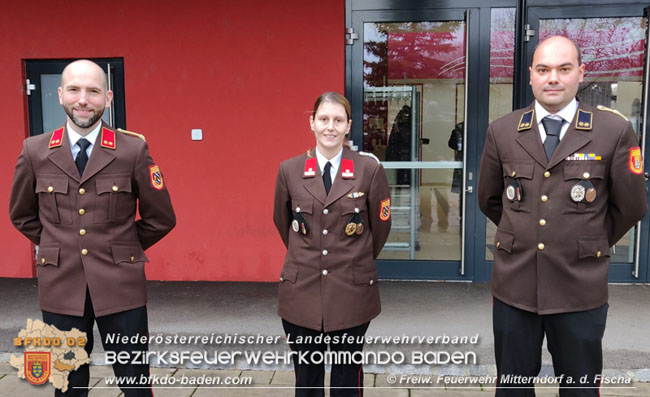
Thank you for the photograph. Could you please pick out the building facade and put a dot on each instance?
(223, 92)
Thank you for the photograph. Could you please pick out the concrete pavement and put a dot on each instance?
(409, 308)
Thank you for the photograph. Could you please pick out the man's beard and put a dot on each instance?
(84, 124)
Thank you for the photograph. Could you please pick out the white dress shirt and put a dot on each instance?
(335, 161)
(566, 114)
(73, 137)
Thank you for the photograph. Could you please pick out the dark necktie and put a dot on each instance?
(327, 177)
(553, 128)
(82, 156)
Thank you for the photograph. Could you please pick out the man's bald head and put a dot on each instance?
(555, 40)
(84, 95)
(84, 67)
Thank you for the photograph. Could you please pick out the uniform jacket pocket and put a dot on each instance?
(504, 240)
(127, 252)
(48, 254)
(52, 193)
(592, 246)
(289, 273)
(523, 172)
(365, 276)
(114, 197)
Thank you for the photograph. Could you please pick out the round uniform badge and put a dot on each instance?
(577, 193)
(510, 193)
(590, 195)
(295, 226)
(350, 229)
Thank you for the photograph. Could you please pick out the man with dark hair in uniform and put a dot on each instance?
(74, 194)
(564, 182)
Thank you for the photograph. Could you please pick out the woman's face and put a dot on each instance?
(330, 125)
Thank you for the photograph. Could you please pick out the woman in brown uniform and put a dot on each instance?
(332, 210)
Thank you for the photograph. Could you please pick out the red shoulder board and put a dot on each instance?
(108, 138)
(636, 162)
(347, 169)
(310, 168)
(57, 138)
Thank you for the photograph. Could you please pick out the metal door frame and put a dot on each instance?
(425, 269)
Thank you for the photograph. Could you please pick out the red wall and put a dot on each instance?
(245, 72)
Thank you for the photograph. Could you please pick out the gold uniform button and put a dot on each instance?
(82, 191)
(498, 244)
(115, 188)
(598, 254)
(42, 261)
(82, 232)
(281, 279)
(513, 174)
(132, 259)
(371, 282)
(84, 252)
(50, 189)
(540, 246)
(542, 222)
(586, 175)
(547, 174)
(82, 211)
(544, 198)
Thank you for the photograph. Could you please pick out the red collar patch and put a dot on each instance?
(310, 168)
(108, 138)
(57, 138)
(347, 169)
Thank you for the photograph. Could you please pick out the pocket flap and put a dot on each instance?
(127, 252)
(52, 184)
(503, 240)
(592, 246)
(48, 254)
(365, 276)
(578, 171)
(113, 183)
(302, 205)
(349, 206)
(518, 170)
(289, 273)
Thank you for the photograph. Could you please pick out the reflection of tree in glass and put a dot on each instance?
(412, 47)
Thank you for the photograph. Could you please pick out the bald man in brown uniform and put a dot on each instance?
(74, 194)
(564, 182)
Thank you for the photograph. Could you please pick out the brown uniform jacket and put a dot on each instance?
(552, 253)
(329, 278)
(85, 228)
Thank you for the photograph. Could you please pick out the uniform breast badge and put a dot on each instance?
(514, 192)
(299, 224)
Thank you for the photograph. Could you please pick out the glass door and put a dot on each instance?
(612, 42)
(410, 101)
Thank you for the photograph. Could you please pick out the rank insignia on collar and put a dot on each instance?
(526, 120)
(57, 138)
(156, 177)
(310, 168)
(108, 138)
(584, 120)
(384, 210)
(636, 162)
(347, 169)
